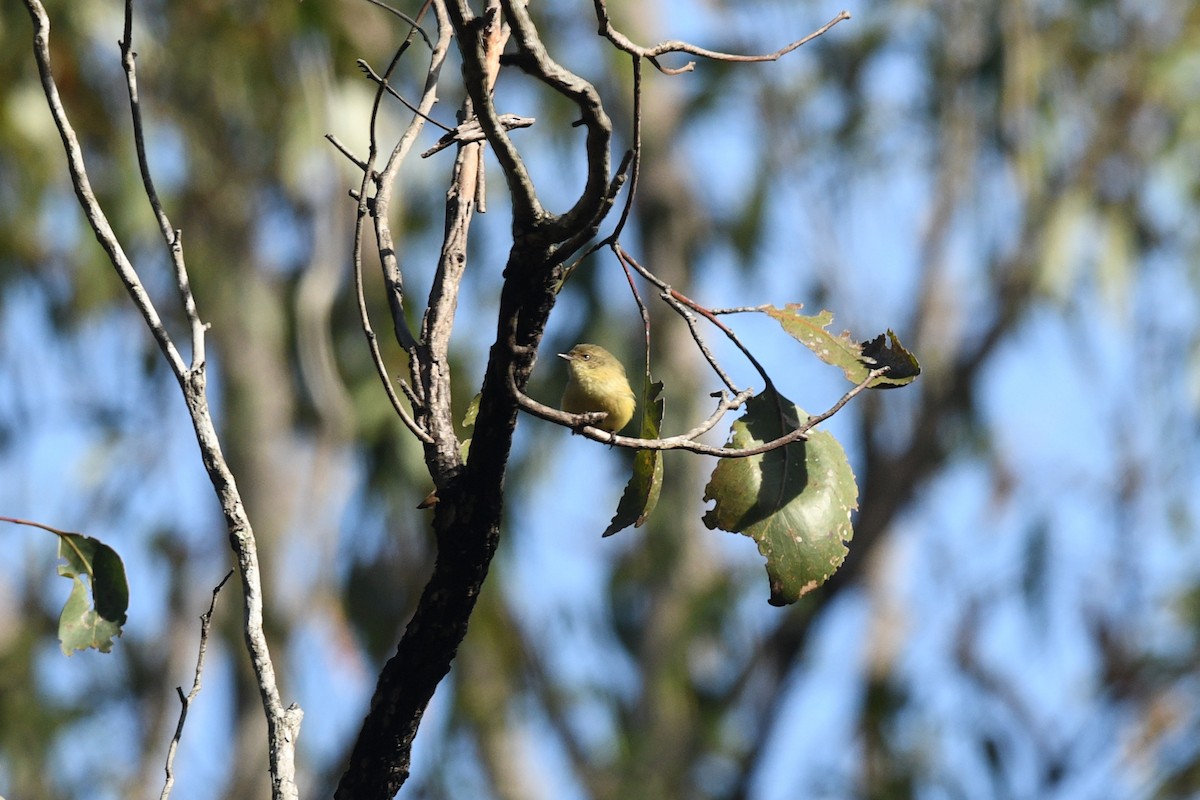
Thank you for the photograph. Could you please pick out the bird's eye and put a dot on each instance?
(587, 356)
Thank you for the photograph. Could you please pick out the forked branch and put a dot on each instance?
(283, 723)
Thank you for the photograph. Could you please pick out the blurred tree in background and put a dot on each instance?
(1011, 185)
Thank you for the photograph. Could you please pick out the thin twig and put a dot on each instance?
(389, 261)
(607, 202)
(669, 296)
(674, 297)
(675, 46)
(64, 537)
(684, 306)
(472, 131)
(383, 84)
(171, 236)
(414, 23)
(626, 171)
(42, 525)
(643, 311)
(341, 148)
(185, 701)
(636, 149)
(694, 329)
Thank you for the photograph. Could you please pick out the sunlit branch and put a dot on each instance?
(283, 724)
(461, 203)
(737, 309)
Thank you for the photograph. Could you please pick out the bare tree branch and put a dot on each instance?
(472, 131)
(283, 723)
(353, 159)
(580, 223)
(684, 306)
(675, 46)
(584, 424)
(527, 209)
(379, 207)
(383, 84)
(172, 236)
(87, 198)
(467, 519)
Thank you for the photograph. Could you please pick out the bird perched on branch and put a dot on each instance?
(597, 382)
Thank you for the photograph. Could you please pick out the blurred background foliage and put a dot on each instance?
(1011, 185)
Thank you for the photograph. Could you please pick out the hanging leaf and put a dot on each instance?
(641, 493)
(855, 359)
(91, 622)
(794, 501)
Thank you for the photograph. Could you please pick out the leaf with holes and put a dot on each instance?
(794, 502)
(885, 350)
(856, 359)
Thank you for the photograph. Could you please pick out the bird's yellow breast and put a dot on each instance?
(600, 388)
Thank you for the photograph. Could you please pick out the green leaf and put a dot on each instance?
(641, 493)
(855, 359)
(794, 501)
(469, 423)
(840, 351)
(472, 411)
(91, 622)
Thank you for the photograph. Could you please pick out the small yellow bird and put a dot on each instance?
(597, 382)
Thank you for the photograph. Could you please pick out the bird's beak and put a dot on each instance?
(567, 356)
